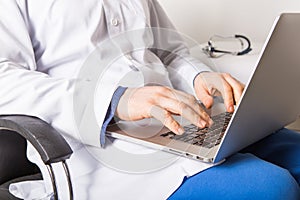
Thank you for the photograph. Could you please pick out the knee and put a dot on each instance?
(257, 179)
(263, 180)
(242, 176)
(279, 184)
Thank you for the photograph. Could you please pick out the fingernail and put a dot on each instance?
(180, 131)
(230, 109)
(211, 122)
(202, 123)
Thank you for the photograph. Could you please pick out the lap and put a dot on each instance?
(265, 170)
(281, 148)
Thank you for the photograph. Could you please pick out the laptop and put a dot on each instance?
(270, 101)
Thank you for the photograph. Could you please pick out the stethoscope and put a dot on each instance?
(212, 51)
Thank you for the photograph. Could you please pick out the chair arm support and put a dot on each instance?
(51, 146)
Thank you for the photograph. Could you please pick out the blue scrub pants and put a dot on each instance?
(268, 169)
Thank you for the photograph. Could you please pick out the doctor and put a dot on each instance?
(43, 48)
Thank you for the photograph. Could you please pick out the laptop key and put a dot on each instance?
(207, 137)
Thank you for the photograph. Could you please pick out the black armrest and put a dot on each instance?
(51, 146)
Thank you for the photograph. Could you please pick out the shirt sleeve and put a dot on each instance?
(24, 90)
(27, 91)
(111, 112)
(172, 49)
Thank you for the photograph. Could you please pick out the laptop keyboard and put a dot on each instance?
(205, 137)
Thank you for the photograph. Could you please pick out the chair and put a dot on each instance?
(14, 165)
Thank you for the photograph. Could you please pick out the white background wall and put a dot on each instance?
(202, 18)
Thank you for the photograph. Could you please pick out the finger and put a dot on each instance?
(236, 86)
(166, 119)
(205, 97)
(191, 101)
(185, 105)
(203, 89)
(227, 94)
(200, 119)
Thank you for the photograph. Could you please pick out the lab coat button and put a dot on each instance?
(115, 22)
(129, 57)
(134, 68)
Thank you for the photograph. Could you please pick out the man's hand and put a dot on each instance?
(161, 103)
(209, 84)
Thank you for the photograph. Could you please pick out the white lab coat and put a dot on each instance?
(62, 61)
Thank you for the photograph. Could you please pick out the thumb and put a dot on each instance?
(205, 97)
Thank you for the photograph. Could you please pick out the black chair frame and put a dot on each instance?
(51, 146)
